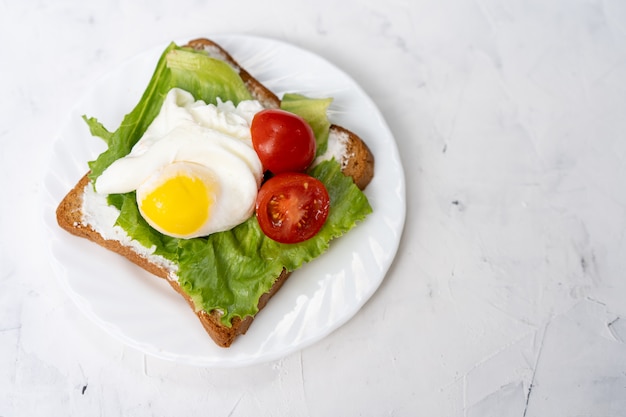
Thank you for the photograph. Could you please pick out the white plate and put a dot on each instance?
(145, 312)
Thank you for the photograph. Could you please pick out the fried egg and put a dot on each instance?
(194, 171)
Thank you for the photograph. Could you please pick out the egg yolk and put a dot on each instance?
(180, 205)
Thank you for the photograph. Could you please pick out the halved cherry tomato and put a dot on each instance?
(284, 141)
(292, 207)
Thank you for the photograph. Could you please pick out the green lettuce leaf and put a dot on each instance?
(97, 129)
(314, 111)
(205, 77)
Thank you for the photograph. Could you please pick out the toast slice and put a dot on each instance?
(351, 151)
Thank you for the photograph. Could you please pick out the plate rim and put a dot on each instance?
(50, 203)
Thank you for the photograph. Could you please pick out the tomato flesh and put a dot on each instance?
(292, 207)
(284, 141)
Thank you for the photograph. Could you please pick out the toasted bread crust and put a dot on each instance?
(358, 164)
(359, 160)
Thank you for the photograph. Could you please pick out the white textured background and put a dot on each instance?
(508, 295)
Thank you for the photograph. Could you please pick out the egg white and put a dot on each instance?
(216, 137)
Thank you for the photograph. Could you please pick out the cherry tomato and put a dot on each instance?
(284, 141)
(292, 207)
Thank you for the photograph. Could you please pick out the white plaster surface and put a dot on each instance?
(508, 293)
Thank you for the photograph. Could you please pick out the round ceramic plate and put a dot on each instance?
(143, 311)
